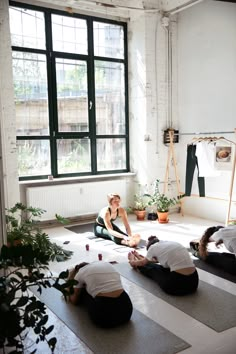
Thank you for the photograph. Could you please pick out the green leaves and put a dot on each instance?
(23, 229)
(20, 311)
(24, 265)
(161, 200)
(61, 219)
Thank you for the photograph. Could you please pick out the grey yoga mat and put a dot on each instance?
(78, 229)
(140, 336)
(214, 270)
(210, 305)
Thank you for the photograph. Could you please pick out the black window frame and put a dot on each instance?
(51, 56)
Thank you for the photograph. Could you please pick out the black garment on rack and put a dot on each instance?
(191, 164)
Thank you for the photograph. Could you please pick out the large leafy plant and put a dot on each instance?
(20, 310)
(23, 266)
(140, 202)
(161, 200)
(23, 227)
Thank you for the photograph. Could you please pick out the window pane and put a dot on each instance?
(108, 40)
(30, 87)
(111, 154)
(33, 157)
(72, 95)
(110, 98)
(69, 34)
(73, 155)
(27, 28)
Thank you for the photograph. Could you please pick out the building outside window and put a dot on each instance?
(70, 84)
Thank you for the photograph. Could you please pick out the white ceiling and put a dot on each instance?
(117, 8)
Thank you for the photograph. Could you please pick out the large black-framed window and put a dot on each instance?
(70, 75)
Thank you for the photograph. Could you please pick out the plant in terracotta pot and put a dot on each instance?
(162, 203)
(140, 205)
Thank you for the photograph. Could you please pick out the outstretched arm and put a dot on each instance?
(124, 218)
(108, 224)
(74, 297)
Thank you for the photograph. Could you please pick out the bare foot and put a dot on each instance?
(132, 241)
(135, 239)
(137, 255)
(128, 243)
(131, 258)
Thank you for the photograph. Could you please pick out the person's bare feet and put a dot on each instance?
(133, 241)
(137, 255)
(130, 243)
(131, 258)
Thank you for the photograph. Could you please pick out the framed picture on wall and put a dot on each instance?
(223, 157)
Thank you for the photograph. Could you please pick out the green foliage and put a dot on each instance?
(23, 266)
(20, 309)
(140, 202)
(23, 226)
(162, 201)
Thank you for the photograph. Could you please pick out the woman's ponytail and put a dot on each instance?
(205, 239)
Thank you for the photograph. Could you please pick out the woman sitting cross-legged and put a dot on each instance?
(106, 228)
(100, 289)
(169, 264)
(220, 235)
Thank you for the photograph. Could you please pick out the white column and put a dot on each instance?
(9, 177)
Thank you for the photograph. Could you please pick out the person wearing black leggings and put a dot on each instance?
(169, 264)
(106, 228)
(100, 289)
(220, 235)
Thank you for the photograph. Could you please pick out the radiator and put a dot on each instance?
(70, 200)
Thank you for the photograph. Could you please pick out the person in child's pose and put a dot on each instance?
(220, 235)
(106, 228)
(169, 264)
(100, 289)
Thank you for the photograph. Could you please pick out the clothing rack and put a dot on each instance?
(205, 133)
(171, 153)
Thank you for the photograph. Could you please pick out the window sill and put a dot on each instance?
(82, 179)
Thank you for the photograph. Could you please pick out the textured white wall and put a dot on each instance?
(206, 92)
(7, 113)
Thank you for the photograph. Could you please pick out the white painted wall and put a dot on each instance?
(9, 177)
(206, 92)
(148, 101)
(204, 86)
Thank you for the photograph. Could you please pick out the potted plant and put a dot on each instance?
(162, 203)
(23, 229)
(140, 205)
(22, 313)
(23, 265)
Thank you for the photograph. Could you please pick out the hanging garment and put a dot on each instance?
(191, 164)
(205, 152)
